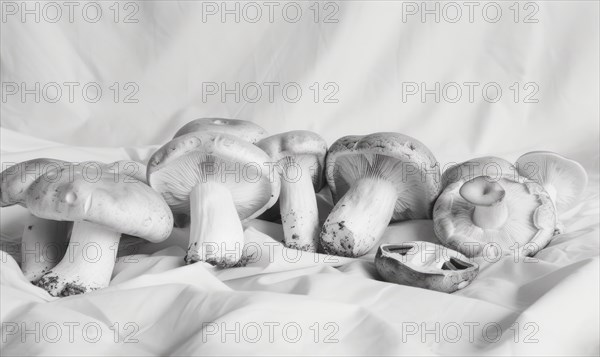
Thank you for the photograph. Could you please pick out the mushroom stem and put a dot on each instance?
(88, 263)
(490, 217)
(216, 232)
(488, 198)
(42, 246)
(299, 212)
(359, 218)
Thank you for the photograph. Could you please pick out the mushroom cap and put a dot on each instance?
(246, 130)
(492, 166)
(405, 161)
(15, 180)
(566, 177)
(304, 146)
(531, 216)
(425, 265)
(98, 193)
(188, 160)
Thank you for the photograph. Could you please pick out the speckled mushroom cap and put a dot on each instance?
(184, 162)
(305, 146)
(15, 180)
(425, 265)
(482, 166)
(396, 157)
(531, 218)
(243, 129)
(93, 192)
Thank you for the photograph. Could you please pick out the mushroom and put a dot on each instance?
(425, 265)
(299, 156)
(221, 180)
(243, 129)
(376, 179)
(102, 204)
(43, 242)
(563, 179)
(506, 214)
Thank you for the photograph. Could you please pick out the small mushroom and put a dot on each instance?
(483, 215)
(220, 180)
(425, 265)
(299, 156)
(563, 179)
(376, 179)
(43, 242)
(102, 202)
(243, 129)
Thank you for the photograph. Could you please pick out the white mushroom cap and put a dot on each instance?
(398, 158)
(243, 129)
(93, 192)
(530, 219)
(187, 160)
(564, 179)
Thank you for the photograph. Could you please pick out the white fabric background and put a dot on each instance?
(369, 53)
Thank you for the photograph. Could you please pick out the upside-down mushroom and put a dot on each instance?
(564, 179)
(220, 180)
(425, 265)
(102, 202)
(376, 179)
(484, 215)
(299, 156)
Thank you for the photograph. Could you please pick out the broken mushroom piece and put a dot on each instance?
(563, 179)
(376, 179)
(425, 265)
(243, 129)
(43, 242)
(299, 157)
(221, 181)
(494, 216)
(102, 204)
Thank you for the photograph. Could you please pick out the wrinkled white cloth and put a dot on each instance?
(369, 61)
(287, 302)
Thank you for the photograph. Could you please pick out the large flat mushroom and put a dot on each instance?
(102, 203)
(299, 156)
(564, 179)
(220, 180)
(376, 179)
